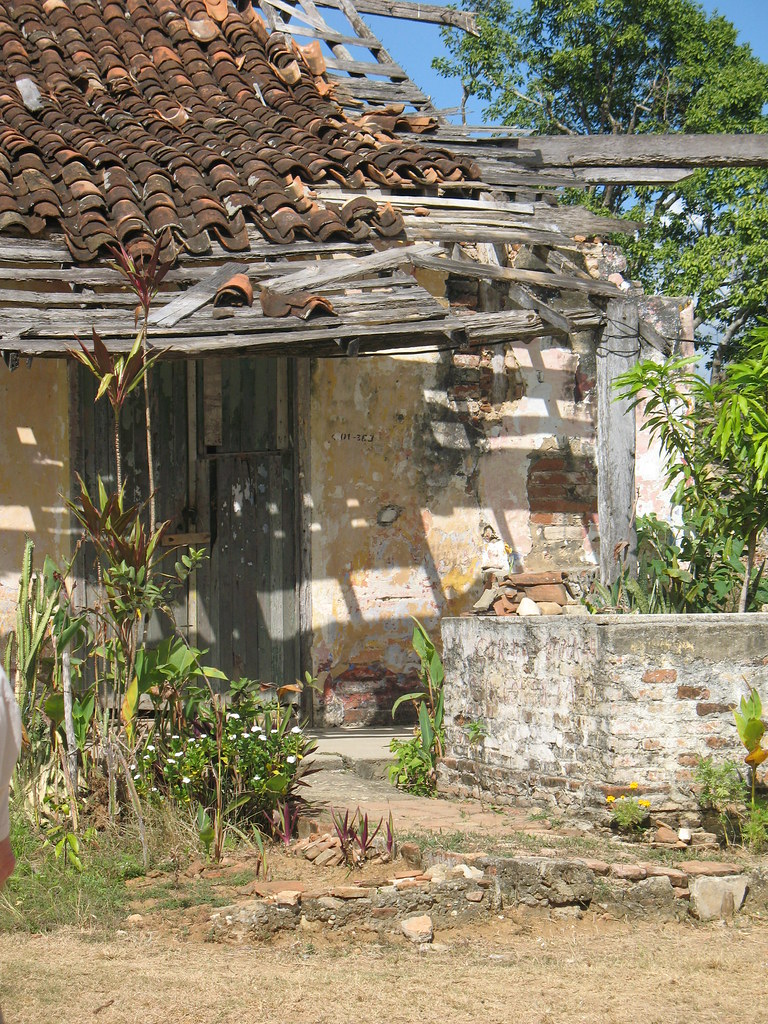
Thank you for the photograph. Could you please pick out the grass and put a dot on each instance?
(44, 894)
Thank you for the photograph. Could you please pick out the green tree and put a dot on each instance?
(632, 67)
(715, 438)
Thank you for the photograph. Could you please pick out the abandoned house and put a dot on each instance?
(383, 339)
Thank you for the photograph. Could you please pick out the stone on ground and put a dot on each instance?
(418, 929)
(713, 898)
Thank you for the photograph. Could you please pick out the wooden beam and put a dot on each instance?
(542, 279)
(617, 351)
(595, 151)
(410, 11)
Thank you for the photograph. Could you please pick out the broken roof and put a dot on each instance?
(122, 120)
(212, 129)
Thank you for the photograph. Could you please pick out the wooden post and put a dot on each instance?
(617, 351)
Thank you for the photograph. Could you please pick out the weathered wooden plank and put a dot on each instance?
(526, 299)
(329, 35)
(327, 271)
(676, 150)
(410, 11)
(363, 67)
(419, 228)
(544, 279)
(617, 352)
(194, 298)
(360, 90)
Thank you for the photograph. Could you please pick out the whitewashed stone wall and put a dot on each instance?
(576, 709)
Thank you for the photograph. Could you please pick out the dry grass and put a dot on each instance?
(525, 968)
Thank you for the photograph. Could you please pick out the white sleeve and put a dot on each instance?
(10, 744)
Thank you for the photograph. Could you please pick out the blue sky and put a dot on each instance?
(414, 45)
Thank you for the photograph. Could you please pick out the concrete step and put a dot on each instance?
(364, 751)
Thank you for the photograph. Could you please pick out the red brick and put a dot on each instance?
(717, 742)
(688, 760)
(660, 675)
(692, 693)
(713, 709)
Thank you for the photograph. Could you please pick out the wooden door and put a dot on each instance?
(247, 594)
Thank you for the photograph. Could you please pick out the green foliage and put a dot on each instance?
(242, 762)
(715, 462)
(754, 826)
(751, 729)
(637, 67)
(38, 596)
(629, 814)
(413, 770)
(476, 731)
(40, 895)
(722, 789)
(679, 570)
(416, 759)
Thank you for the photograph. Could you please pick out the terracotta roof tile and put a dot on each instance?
(118, 119)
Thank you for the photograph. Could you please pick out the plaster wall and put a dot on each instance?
(34, 471)
(578, 708)
(427, 470)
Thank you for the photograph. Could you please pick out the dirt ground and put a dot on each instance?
(526, 967)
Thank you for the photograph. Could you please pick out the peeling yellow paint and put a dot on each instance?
(34, 469)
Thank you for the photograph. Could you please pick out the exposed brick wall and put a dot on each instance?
(577, 709)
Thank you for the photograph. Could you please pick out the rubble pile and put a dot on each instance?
(531, 593)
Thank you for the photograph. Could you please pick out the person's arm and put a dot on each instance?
(10, 744)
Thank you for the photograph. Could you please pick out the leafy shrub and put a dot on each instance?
(416, 759)
(681, 570)
(754, 826)
(414, 769)
(628, 814)
(245, 761)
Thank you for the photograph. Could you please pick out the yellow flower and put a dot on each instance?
(644, 803)
(610, 799)
(633, 785)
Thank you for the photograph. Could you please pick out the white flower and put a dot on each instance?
(254, 728)
(274, 730)
(179, 753)
(137, 776)
(246, 735)
(234, 715)
(154, 789)
(257, 778)
(263, 738)
(186, 781)
(150, 747)
(174, 737)
(291, 759)
(133, 767)
(296, 730)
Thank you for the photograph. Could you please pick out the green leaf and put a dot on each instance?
(54, 708)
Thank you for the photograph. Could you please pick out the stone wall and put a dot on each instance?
(576, 709)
